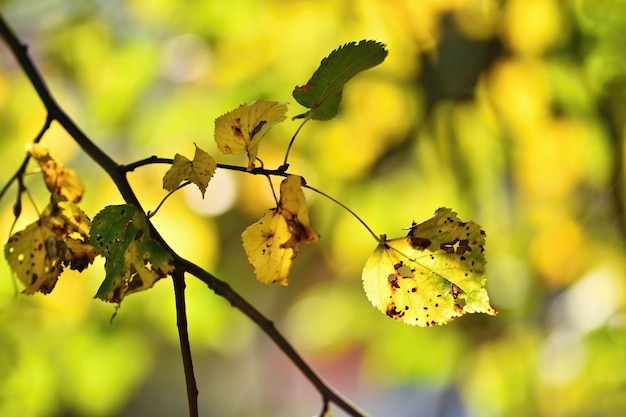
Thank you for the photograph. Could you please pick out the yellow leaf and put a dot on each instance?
(241, 130)
(434, 274)
(199, 171)
(271, 243)
(39, 253)
(293, 207)
(266, 243)
(59, 179)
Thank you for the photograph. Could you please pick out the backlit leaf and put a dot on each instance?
(434, 274)
(39, 253)
(134, 261)
(58, 179)
(199, 171)
(322, 93)
(240, 131)
(271, 243)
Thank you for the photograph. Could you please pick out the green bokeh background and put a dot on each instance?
(511, 112)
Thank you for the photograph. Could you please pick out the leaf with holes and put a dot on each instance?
(58, 179)
(271, 243)
(322, 93)
(199, 171)
(240, 131)
(60, 238)
(432, 275)
(134, 261)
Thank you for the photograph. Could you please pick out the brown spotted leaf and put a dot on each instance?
(432, 275)
(271, 243)
(59, 239)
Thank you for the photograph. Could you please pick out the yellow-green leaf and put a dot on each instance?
(199, 171)
(240, 131)
(434, 274)
(134, 261)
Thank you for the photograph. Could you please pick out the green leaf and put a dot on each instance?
(134, 261)
(322, 93)
(434, 274)
(199, 171)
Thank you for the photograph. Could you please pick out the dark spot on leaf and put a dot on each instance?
(393, 282)
(419, 243)
(135, 282)
(257, 128)
(393, 312)
(237, 131)
(455, 291)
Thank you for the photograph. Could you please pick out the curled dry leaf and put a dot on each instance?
(60, 238)
(58, 179)
(271, 243)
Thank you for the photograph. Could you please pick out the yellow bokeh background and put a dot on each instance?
(512, 113)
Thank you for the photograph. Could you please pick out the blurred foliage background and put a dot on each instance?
(511, 112)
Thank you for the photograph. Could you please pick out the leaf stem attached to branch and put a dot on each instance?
(356, 216)
(293, 138)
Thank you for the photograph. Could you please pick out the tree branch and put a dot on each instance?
(118, 174)
(178, 277)
(223, 289)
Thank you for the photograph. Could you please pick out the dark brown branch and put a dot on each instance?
(178, 277)
(55, 112)
(223, 289)
(118, 174)
(280, 171)
(19, 174)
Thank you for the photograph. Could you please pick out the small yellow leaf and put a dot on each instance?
(271, 243)
(293, 208)
(241, 130)
(434, 274)
(266, 243)
(199, 171)
(59, 179)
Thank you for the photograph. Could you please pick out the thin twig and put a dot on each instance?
(178, 277)
(22, 169)
(147, 161)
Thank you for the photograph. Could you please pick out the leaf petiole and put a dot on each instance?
(293, 138)
(150, 214)
(356, 216)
